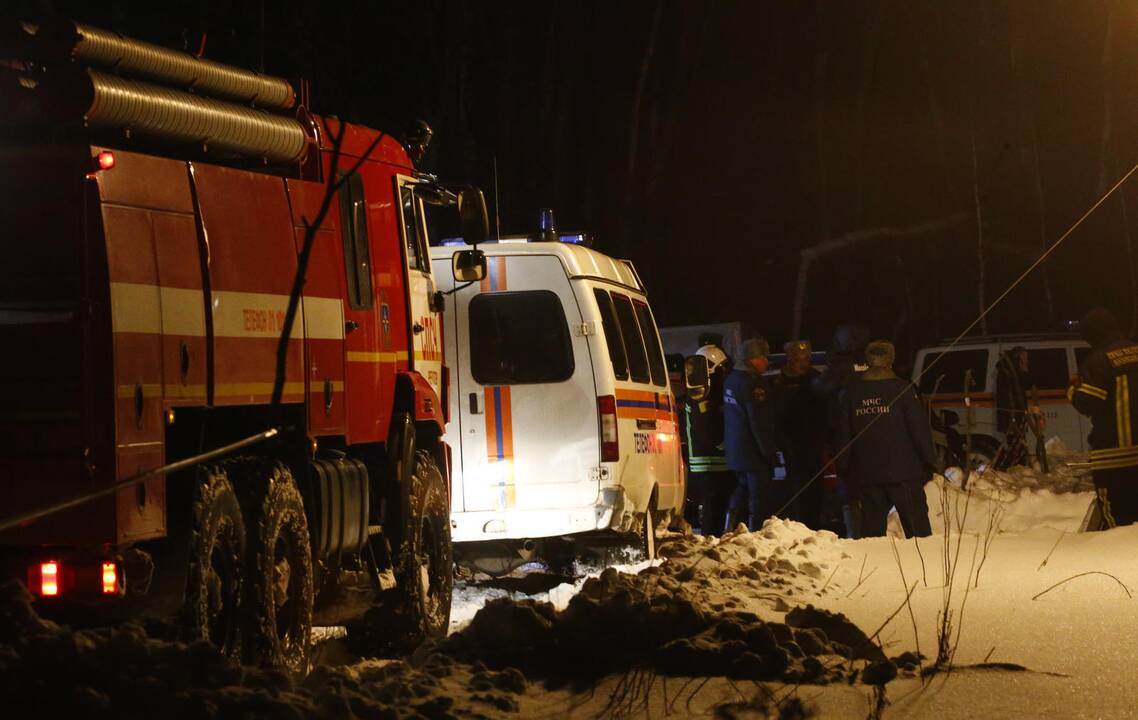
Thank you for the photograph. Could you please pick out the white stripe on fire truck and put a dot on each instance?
(140, 308)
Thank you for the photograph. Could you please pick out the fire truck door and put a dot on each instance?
(425, 330)
(367, 344)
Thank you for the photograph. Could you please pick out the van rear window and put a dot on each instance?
(612, 334)
(633, 343)
(652, 339)
(952, 367)
(519, 338)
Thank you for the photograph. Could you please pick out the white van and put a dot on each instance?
(561, 413)
(1053, 360)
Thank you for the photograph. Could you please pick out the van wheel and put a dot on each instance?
(214, 574)
(648, 531)
(279, 592)
(982, 453)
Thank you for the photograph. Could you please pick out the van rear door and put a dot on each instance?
(527, 398)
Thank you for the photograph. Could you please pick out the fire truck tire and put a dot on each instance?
(648, 530)
(214, 573)
(418, 606)
(279, 582)
(426, 558)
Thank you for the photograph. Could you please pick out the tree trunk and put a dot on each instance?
(980, 262)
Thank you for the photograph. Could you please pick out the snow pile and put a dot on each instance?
(471, 595)
(48, 670)
(715, 608)
(1018, 500)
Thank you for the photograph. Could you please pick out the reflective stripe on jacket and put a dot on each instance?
(1104, 396)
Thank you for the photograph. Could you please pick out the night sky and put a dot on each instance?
(711, 142)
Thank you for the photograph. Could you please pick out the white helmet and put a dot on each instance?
(714, 356)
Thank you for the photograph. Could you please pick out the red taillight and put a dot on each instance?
(110, 578)
(610, 437)
(49, 579)
(105, 160)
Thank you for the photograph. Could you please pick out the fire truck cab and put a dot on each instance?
(191, 261)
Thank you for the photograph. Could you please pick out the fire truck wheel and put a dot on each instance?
(648, 530)
(217, 551)
(279, 586)
(426, 560)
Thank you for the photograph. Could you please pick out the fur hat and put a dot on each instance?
(755, 348)
(880, 354)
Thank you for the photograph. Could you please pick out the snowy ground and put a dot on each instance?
(1025, 639)
(1041, 624)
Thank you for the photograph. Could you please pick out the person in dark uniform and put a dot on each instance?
(891, 456)
(1013, 381)
(749, 434)
(803, 431)
(703, 429)
(844, 365)
(1102, 393)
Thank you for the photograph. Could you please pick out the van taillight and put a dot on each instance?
(49, 579)
(610, 438)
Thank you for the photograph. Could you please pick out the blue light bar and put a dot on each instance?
(575, 238)
(452, 242)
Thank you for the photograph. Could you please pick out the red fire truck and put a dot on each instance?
(155, 208)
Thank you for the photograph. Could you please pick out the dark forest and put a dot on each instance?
(916, 158)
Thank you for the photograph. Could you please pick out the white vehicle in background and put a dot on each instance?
(562, 418)
(683, 340)
(1053, 360)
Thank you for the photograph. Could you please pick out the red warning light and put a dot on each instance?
(49, 578)
(105, 160)
(110, 578)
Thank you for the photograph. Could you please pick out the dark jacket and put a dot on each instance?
(749, 422)
(703, 431)
(898, 447)
(1012, 386)
(1105, 396)
(802, 421)
(844, 366)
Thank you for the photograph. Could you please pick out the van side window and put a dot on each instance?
(612, 334)
(1048, 368)
(518, 338)
(953, 367)
(353, 228)
(652, 339)
(633, 343)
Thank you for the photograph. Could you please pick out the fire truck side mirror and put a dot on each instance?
(472, 213)
(696, 378)
(469, 265)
